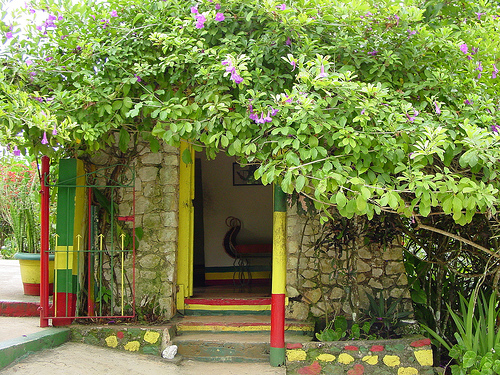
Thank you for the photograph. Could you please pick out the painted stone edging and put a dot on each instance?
(145, 340)
(406, 356)
(14, 349)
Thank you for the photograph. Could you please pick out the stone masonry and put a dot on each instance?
(321, 281)
(156, 215)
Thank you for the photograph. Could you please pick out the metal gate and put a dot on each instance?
(94, 243)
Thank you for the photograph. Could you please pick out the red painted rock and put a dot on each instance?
(420, 343)
(356, 370)
(351, 347)
(314, 369)
(120, 335)
(294, 346)
(377, 348)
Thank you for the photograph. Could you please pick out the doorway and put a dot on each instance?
(225, 189)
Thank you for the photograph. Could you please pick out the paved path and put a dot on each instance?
(81, 359)
(11, 286)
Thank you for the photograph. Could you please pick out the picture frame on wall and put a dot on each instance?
(243, 175)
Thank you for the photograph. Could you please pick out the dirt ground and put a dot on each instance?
(82, 359)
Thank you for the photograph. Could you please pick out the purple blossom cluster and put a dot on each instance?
(232, 69)
(464, 48)
(201, 19)
(262, 119)
(412, 118)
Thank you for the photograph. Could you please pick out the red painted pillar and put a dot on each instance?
(44, 242)
(277, 350)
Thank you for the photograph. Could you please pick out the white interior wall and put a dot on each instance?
(252, 204)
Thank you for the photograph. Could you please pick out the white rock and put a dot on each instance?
(169, 352)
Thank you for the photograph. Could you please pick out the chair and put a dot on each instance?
(243, 253)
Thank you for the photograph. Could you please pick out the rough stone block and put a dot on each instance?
(147, 173)
(152, 158)
(362, 266)
(394, 268)
(364, 253)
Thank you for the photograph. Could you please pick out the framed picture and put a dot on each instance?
(244, 175)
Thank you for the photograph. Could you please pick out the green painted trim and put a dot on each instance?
(63, 284)
(66, 202)
(12, 350)
(277, 357)
(279, 199)
(31, 256)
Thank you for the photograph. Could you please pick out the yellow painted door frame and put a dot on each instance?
(186, 227)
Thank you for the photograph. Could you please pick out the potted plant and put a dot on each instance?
(20, 209)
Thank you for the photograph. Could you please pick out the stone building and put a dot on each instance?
(180, 213)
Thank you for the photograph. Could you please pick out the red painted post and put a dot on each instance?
(44, 243)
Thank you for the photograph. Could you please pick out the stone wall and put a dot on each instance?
(332, 268)
(156, 216)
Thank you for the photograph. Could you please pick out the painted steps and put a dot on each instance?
(233, 338)
(227, 306)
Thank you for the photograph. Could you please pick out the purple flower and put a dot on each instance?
(282, 7)
(200, 25)
(479, 15)
(39, 27)
(194, 10)
(268, 118)
(29, 62)
(49, 58)
(236, 78)
(8, 35)
(464, 48)
(32, 11)
(436, 107)
(261, 119)
(201, 18)
(217, 6)
(363, 111)
(274, 112)
(253, 116)
(32, 74)
(226, 62)
(396, 17)
(288, 99)
(468, 102)
(373, 53)
(93, 16)
(44, 139)
(294, 64)
(288, 41)
(479, 66)
(495, 128)
(16, 151)
(139, 79)
(322, 73)
(412, 32)
(474, 50)
(113, 13)
(220, 17)
(60, 18)
(495, 71)
(54, 132)
(412, 118)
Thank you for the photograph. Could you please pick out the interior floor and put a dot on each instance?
(230, 291)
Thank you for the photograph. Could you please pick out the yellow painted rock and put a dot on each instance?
(151, 337)
(391, 360)
(112, 341)
(407, 371)
(424, 357)
(345, 358)
(325, 357)
(371, 359)
(296, 355)
(132, 346)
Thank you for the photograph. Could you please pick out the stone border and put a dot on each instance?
(406, 356)
(146, 340)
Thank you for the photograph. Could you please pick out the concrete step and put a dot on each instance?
(229, 347)
(228, 306)
(239, 324)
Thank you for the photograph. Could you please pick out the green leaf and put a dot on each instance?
(299, 183)
(124, 139)
(137, 18)
(154, 144)
(127, 102)
(186, 156)
(341, 199)
(469, 359)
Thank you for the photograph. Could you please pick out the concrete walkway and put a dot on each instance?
(24, 335)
